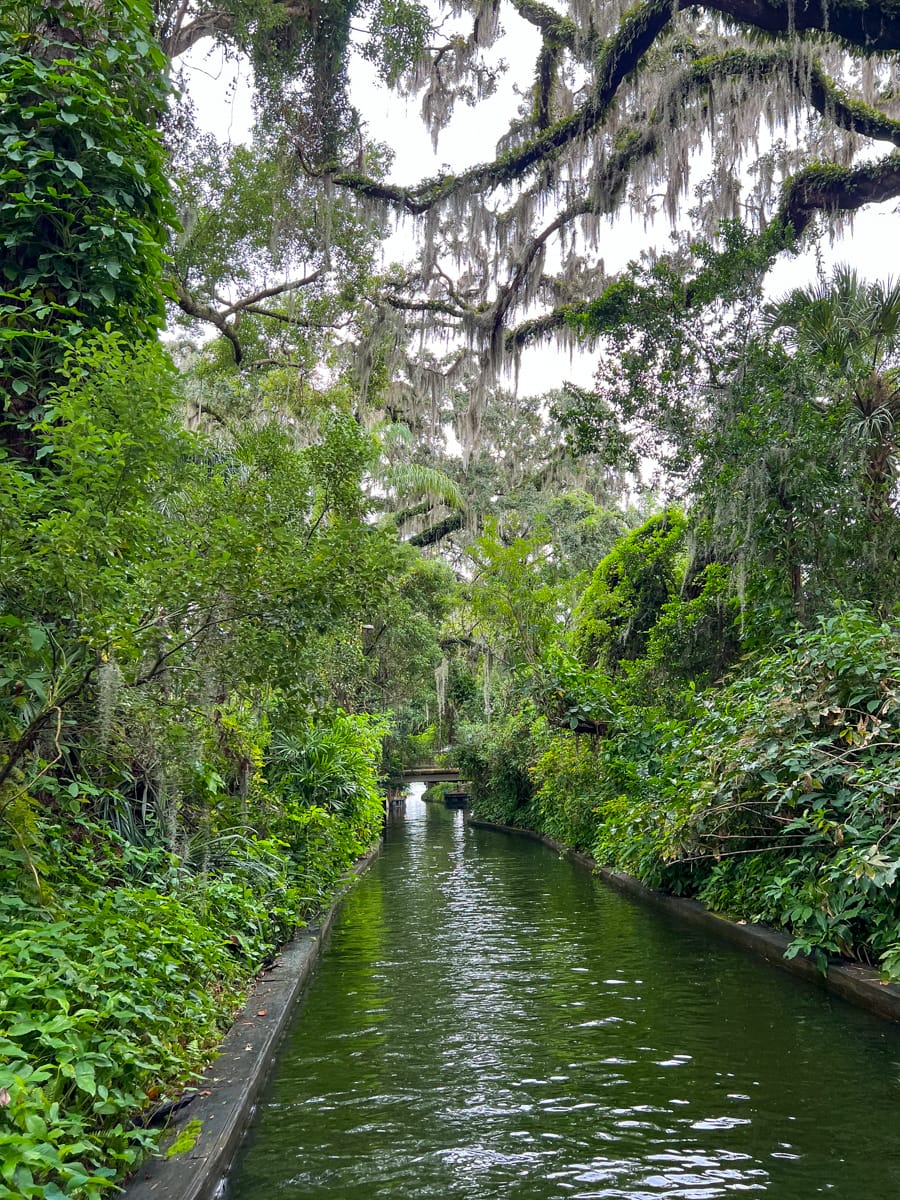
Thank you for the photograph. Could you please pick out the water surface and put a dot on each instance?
(489, 1021)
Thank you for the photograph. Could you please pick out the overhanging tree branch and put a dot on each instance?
(642, 141)
(869, 27)
(832, 189)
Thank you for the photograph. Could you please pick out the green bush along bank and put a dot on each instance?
(769, 790)
(119, 977)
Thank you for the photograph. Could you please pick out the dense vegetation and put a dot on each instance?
(720, 715)
(204, 627)
(245, 581)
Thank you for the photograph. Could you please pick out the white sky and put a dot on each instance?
(222, 94)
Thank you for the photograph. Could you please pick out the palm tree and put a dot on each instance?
(850, 330)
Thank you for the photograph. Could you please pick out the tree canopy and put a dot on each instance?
(785, 110)
(780, 117)
(246, 578)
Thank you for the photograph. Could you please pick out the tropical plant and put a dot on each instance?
(850, 331)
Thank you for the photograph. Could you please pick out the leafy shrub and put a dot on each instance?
(779, 798)
(85, 203)
(118, 979)
(565, 777)
(108, 997)
(629, 588)
(496, 760)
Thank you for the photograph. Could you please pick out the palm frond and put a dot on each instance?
(414, 481)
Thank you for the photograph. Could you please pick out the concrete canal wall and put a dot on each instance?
(226, 1096)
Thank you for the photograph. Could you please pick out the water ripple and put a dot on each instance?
(489, 1022)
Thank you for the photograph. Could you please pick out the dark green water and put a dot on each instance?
(490, 1021)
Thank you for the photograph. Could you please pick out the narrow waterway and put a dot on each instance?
(490, 1021)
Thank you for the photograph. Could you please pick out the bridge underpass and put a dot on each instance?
(456, 798)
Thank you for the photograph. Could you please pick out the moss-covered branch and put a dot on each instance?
(435, 533)
(817, 189)
(832, 189)
(553, 26)
(868, 27)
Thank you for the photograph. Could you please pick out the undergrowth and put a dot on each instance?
(118, 978)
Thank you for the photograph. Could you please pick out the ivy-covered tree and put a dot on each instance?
(85, 207)
(628, 591)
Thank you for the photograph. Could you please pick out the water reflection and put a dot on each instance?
(491, 1022)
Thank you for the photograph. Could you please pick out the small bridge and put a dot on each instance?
(396, 791)
(430, 774)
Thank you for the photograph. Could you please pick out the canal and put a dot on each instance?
(490, 1021)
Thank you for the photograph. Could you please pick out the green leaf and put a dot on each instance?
(84, 1077)
(74, 167)
(37, 635)
(38, 685)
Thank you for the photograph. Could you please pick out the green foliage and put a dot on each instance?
(332, 765)
(697, 635)
(565, 779)
(399, 31)
(811, 781)
(628, 590)
(85, 202)
(186, 1139)
(112, 995)
(115, 989)
(249, 214)
(570, 695)
(162, 781)
(496, 761)
(303, 54)
(181, 613)
(436, 792)
(851, 332)
(518, 591)
(773, 799)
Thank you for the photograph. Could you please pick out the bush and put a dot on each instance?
(120, 971)
(565, 777)
(779, 798)
(496, 759)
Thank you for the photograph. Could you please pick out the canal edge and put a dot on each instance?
(857, 984)
(229, 1087)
